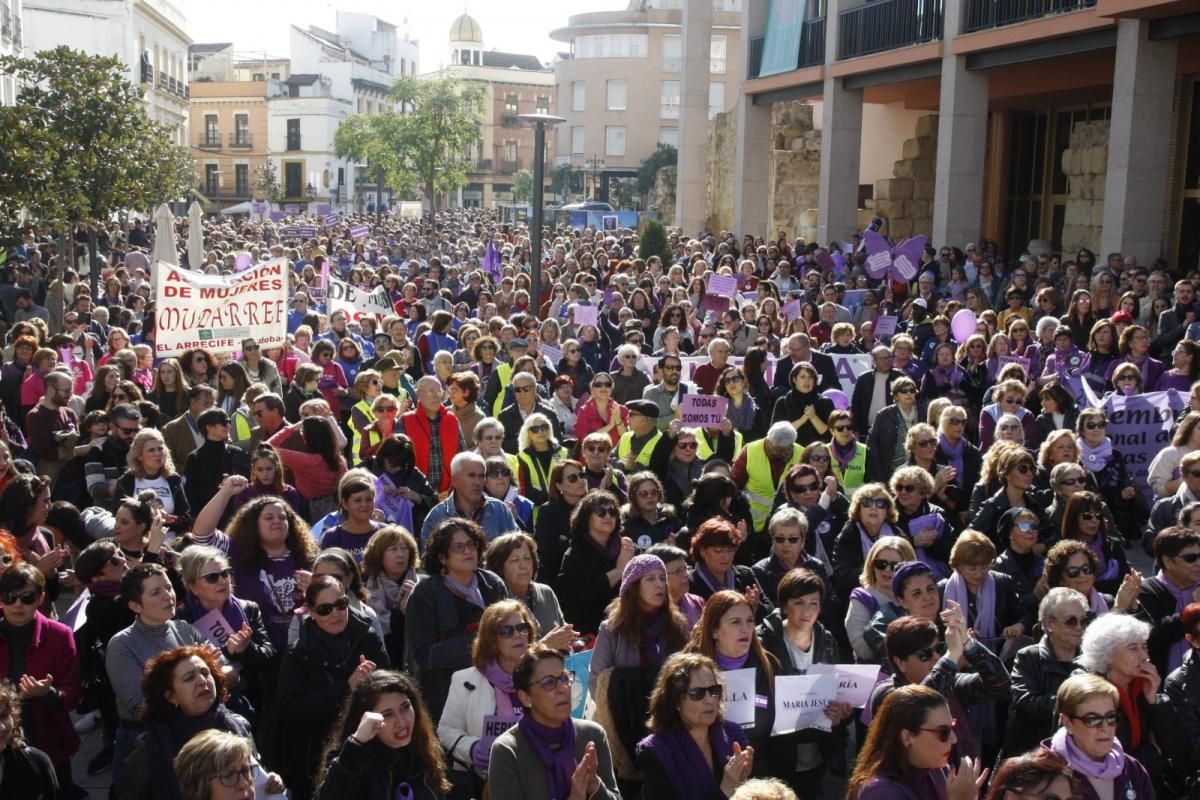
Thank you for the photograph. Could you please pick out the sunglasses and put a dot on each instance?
(926, 442)
(387, 409)
(905, 488)
(499, 473)
(597, 448)
(841, 428)
(787, 539)
(883, 565)
(800, 488)
(905, 390)
(1075, 572)
(927, 654)
(601, 385)
(1024, 469)
(820, 458)
(956, 420)
(572, 477)
(1089, 516)
(697, 693)
(214, 577)
(325, 609)
(606, 512)
(1072, 482)
(875, 502)
(538, 428)
(734, 379)
(687, 445)
(1111, 719)
(508, 631)
(1189, 558)
(522, 389)
(24, 598)
(1025, 526)
(942, 732)
(1092, 426)
(1076, 622)
(552, 682)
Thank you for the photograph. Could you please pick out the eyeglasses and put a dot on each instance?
(687, 445)
(883, 565)
(1024, 526)
(325, 609)
(214, 577)
(24, 598)
(942, 732)
(522, 389)
(230, 778)
(820, 458)
(875, 502)
(1072, 482)
(698, 693)
(601, 384)
(459, 548)
(1190, 558)
(927, 654)
(1075, 572)
(606, 511)
(1024, 469)
(508, 631)
(552, 682)
(572, 477)
(1111, 719)
(787, 539)
(1092, 426)
(1075, 622)
(801, 488)
(1012, 400)
(1089, 516)
(538, 428)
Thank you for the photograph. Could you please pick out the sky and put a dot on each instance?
(516, 27)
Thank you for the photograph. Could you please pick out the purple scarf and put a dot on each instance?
(107, 589)
(954, 456)
(868, 542)
(1109, 769)
(1095, 458)
(502, 685)
(845, 455)
(985, 606)
(1110, 569)
(712, 581)
(1096, 603)
(467, 591)
(683, 762)
(555, 748)
(1182, 597)
(922, 784)
(727, 663)
(610, 550)
(948, 377)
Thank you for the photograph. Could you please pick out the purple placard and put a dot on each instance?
(584, 315)
(277, 216)
(724, 285)
(918, 524)
(702, 410)
(1140, 426)
(332, 219)
(323, 209)
(291, 208)
(359, 232)
(885, 326)
(854, 298)
(714, 302)
(1024, 362)
(306, 231)
(791, 310)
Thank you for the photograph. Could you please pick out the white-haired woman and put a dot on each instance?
(1115, 648)
(629, 381)
(538, 454)
(1040, 669)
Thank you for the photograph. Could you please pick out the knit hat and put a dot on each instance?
(907, 570)
(638, 568)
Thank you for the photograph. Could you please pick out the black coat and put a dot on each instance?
(1182, 690)
(881, 442)
(860, 403)
(373, 771)
(552, 531)
(313, 683)
(825, 369)
(1036, 675)
(743, 579)
(987, 519)
(1156, 605)
(584, 588)
(959, 492)
(1024, 579)
(259, 661)
(27, 774)
(1009, 610)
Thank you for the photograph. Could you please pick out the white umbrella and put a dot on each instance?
(164, 235)
(195, 236)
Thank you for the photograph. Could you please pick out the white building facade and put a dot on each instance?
(149, 36)
(12, 23)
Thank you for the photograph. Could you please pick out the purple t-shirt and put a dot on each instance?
(274, 588)
(354, 543)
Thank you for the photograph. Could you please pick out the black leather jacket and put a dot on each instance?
(1036, 675)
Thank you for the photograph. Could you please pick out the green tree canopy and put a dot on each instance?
(522, 185)
(663, 156)
(78, 145)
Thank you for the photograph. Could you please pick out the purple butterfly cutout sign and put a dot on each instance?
(899, 262)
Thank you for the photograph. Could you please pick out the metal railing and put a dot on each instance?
(984, 14)
(147, 74)
(210, 142)
(5, 22)
(756, 53)
(240, 139)
(509, 167)
(810, 49)
(293, 142)
(888, 24)
(483, 165)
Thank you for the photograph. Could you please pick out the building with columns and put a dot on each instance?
(622, 85)
(1073, 121)
(12, 25)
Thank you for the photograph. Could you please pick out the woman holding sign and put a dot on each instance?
(907, 752)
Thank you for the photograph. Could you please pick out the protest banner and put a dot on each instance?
(584, 315)
(552, 355)
(332, 219)
(791, 310)
(702, 410)
(1024, 362)
(214, 627)
(359, 231)
(722, 285)
(609, 222)
(801, 700)
(494, 725)
(854, 298)
(716, 303)
(291, 208)
(854, 681)
(885, 326)
(1139, 426)
(849, 367)
(307, 231)
(410, 210)
(357, 303)
(276, 216)
(739, 695)
(218, 311)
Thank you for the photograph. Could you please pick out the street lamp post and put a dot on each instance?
(540, 122)
(378, 196)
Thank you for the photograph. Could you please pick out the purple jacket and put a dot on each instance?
(1135, 776)
(1152, 369)
(921, 784)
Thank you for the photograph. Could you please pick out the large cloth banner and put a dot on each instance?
(356, 302)
(780, 51)
(1140, 426)
(849, 367)
(218, 311)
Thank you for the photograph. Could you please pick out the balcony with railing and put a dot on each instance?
(482, 165)
(508, 167)
(888, 24)
(240, 140)
(147, 74)
(210, 141)
(6, 26)
(985, 14)
(17, 31)
(810, 50)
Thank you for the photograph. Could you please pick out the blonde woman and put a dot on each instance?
(151, 467)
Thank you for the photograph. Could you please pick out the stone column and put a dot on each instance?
(962, 144)
(690, 190)
(1138, 142)
(841, 144)
(753, 146)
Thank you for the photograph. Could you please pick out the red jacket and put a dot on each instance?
(419, 428)
(52, 652)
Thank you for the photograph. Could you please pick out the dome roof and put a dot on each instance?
(466, 29)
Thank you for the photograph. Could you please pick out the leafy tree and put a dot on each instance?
(266, 182)
(654, 242)
(522, 186)
(562, 180)
(377, 140)
(443, 120)
(77, 146)
(664, 155)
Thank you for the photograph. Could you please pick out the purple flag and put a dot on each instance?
(491, 260)
(899, 262)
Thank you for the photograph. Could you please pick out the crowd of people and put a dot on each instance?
(365, 563)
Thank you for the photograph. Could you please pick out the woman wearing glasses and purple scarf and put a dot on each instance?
(1107, 466)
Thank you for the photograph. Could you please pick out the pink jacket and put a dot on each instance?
(52, 652)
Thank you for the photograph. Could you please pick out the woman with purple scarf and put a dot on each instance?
(713, 547)
(962, 456)
(1088, 710)
(907, 752)
(593, 564)
(1084, 519)
(1073, 564)
(1107, 466)
(550, 755)
(693, 753)
(946, 378)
